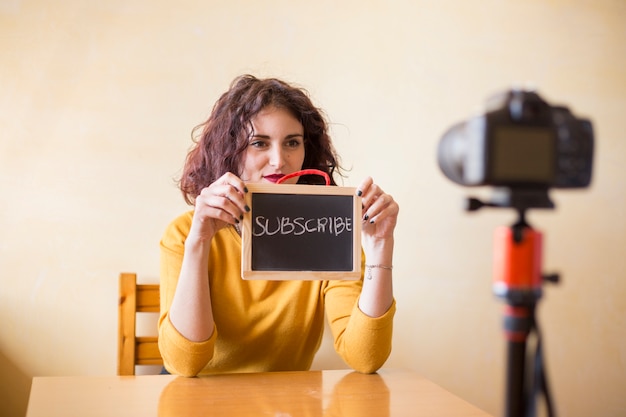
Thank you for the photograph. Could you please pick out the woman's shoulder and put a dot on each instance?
(182, 219)
(178, 229)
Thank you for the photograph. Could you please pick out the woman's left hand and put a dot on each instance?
(380, 211)
(380, 214)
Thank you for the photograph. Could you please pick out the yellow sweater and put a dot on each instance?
(265, 325)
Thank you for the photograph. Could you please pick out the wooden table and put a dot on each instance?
(389, 393)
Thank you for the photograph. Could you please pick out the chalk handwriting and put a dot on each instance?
(299, 226)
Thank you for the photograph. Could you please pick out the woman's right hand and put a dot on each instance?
(218, 205)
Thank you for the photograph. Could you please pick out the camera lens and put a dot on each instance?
(461, 152)
(451, 153)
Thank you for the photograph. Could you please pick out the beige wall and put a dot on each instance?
(97, 100)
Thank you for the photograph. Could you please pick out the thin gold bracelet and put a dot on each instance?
(369, 268)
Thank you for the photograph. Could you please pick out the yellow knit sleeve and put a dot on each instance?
(180, 355)
(363, 342)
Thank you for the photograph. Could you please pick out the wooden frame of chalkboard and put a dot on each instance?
(301, 232)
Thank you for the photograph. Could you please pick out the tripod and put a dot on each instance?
(517, 280)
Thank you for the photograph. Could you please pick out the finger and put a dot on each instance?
(233, 188)
(364, 186)
(234, 181)
(383, 207)
(370, 196)
(217, 202)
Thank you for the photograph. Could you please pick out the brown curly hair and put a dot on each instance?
(220, 142)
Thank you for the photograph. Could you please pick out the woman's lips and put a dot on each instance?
(274, 177)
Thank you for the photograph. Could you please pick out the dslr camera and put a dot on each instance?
(522, 144)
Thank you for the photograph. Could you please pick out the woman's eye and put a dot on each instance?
(293, 143)
(257, 144)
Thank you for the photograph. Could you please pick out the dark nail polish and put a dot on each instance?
(367, 216)
(247, 208)
(359, 193)
(241, 217)
(245, 189)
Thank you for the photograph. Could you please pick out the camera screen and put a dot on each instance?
(522, 154)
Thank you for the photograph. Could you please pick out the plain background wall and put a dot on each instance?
(98, 99)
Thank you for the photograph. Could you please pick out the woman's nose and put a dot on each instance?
(277, 157)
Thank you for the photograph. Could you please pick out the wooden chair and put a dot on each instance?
(133, 350)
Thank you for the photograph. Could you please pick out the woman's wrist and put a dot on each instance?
(370, 267)
(197, 244)
(379, 253)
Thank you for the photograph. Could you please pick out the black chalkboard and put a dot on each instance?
(301, 232)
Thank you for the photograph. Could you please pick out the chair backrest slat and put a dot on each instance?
(148, 298)
(133, 350)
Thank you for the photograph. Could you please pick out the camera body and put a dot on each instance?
(520, 142)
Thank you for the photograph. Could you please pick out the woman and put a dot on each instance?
(211, 320)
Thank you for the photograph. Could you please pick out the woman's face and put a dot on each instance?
(275, 147)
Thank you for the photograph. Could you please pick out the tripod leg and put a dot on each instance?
(516, 357)
(517, 324)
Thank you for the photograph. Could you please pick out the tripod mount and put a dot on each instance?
(518, 280)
